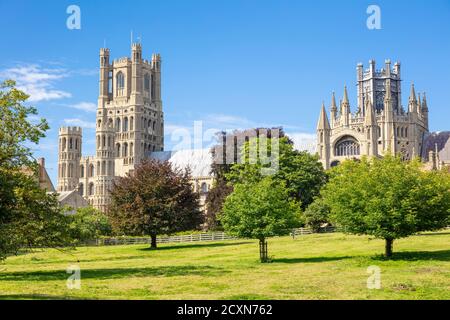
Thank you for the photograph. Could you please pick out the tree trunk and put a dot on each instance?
(263, 250)
(153, 243)
(388, 248)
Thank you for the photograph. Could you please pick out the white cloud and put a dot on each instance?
(37, 81)
(84, 106)
(304, 141)
(79, 123)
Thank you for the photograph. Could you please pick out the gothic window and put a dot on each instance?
(63, 170)
(120, 80)
(118, 124)
(82, 171)
(131, 123)
(110, 82)
(109, 141)
(103, 141)
(70, 170)
(104, 167)
(98, 168)
(149, 124)
(76, 144)
(347, 146)
(125, 124)
(70, 143)
(91, 189)
(99, 123)
(131, 149)
(406, 132)
(147, 83)
(125, 150)
(154, 123)
(204, 187)
(118, 150)
(98, 141)
(91, 170)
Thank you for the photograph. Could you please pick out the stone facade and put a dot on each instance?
(129, 127)
(380, 123)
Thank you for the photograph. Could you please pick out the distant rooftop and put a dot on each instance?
(198, 160)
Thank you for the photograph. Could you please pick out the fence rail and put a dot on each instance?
(198, 237)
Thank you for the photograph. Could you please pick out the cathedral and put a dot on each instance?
(129, 126)
(380, 123)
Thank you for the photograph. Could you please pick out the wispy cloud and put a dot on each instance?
(84, 106)
(37, 81)
(304, 141)
(79, 123)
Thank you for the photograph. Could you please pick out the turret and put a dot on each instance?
(372, 129)
(136, 71)
(323, 137)
(412, 104)
(425, 110)
(345, 116)
(69, 158)
(333, 109)
(104, 75)
(156, 67)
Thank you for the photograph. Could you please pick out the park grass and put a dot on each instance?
(318, 266)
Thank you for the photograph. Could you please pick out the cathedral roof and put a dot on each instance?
(198, 160)
(439, 140)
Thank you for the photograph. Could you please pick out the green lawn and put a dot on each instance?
(320, 266)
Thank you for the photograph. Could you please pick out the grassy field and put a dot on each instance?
(319, 266)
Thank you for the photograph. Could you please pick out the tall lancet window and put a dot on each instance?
(147, 84)
(120, 80)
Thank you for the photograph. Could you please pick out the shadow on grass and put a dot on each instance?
(310, 259)
(196, 245)
(440, 255)
(118, 273)
(35, 297)
(433, 234)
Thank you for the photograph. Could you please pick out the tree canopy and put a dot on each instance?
(387, 198)
(259, 210)
(154, 199)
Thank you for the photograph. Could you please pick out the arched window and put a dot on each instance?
(125, 150)
(402, 132)
(70, 170)
(118, 124)
(149, 123)
(131, 123)
(131, 149)
(204, 187)
(109, 141)
(70, 143)
(81, 171)
(125, 124)
(120, 80)
(103, 167)
(103, 141)
(147, 82)
(406, 132)
(91, 170)
(81, 189)
(76, 144)
(99, 123)
(347, 146)
(91, 189)
(154, 124)
(63, 170)
(117, 149)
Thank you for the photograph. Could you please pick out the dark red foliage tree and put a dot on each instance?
(154, 199)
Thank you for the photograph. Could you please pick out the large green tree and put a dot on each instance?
(299, 171)
(260, 210)
(155, 199)
(387, 198)
(29, 217)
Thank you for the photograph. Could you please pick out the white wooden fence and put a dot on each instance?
(198, 237)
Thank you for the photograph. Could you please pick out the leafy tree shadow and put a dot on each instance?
(197, 245)
(117, 273)
(310, 259)
(440, 255)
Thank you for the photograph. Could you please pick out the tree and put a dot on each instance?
(89, 223)
(301, 172)
(226, 154)
(317, 214)
(387, 198)
(29, 216)
(258, 211)
(154, 199)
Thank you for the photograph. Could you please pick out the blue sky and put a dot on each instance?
(231, 64)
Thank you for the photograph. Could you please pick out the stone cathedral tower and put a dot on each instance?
(129, 127)
(379, 125)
